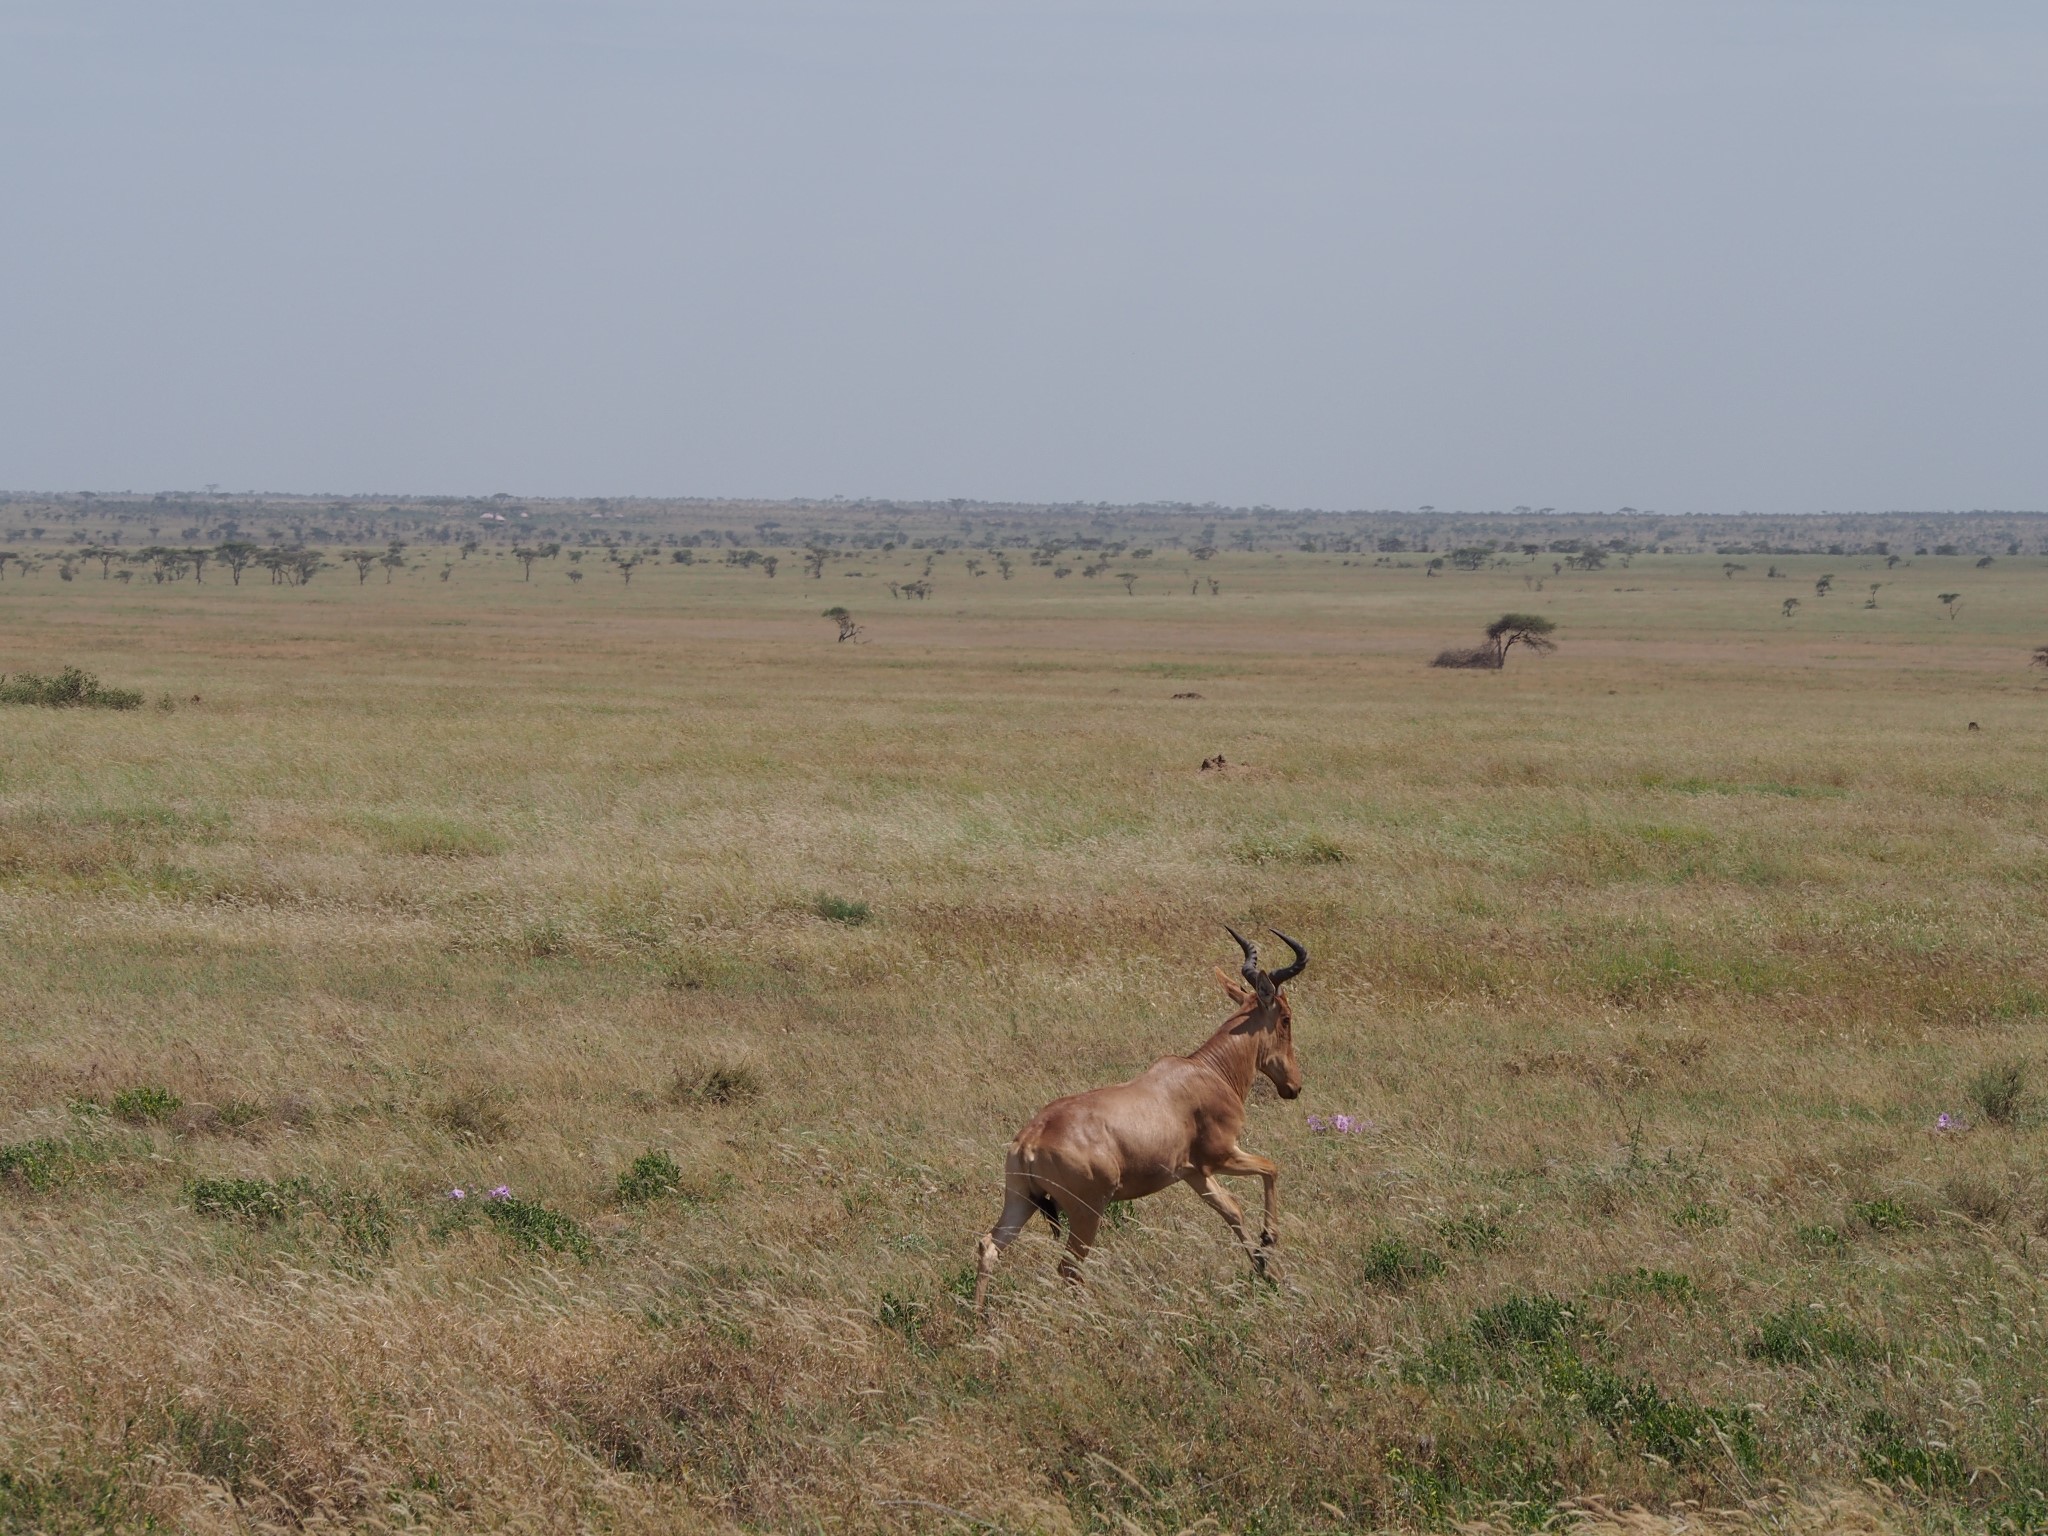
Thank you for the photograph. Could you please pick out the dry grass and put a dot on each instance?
(1650, 965)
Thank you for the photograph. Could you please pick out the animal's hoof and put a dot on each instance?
(1269, 1239)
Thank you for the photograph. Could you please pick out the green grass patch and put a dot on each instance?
(430, 836)
(42, 1163)
(1522, 1320)
(1395, 1264)
(1663, 1284)
(1893, 1454)
(1804, 1335)
(258, 1202)
(1882, 1215)
(837, 909)
(146, 1104)
(535, 1227)
(1286, 848)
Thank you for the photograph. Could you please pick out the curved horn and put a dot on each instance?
(1251, 954)
(1288, 972)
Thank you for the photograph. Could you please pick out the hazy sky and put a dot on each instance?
(1780, 256)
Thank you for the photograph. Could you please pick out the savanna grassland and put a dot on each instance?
(735, 954)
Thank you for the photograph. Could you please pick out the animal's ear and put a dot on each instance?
(1239, 992)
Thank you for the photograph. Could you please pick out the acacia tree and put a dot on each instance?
(848, 629)
(1531, 630)
(363, 560)
(237, 555)
(625, 564)
(1951, 601)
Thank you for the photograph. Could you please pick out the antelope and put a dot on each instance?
(1175, 1122)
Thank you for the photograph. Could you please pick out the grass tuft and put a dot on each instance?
(720, 1083)
(259, 1202)
(2000, 1092)
(836, 909)
(145, 1104)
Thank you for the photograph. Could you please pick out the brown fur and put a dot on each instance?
(1177, 1122)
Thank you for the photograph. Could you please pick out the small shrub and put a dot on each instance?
(1804, 1336)
(2000, 1092)
(652, 1175)
(536, 1228)
(40, 1164)
(138, 1105)
(1892, 1456)
(1396, 1264)
(721, 1083)
(1478, 658)
(260, 1202)
(836, 910)
(69, 689)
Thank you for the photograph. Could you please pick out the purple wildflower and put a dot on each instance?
(1343, 1125)
(456, 1194)
(502, 1192)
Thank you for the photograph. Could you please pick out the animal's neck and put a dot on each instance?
(1232, 1053)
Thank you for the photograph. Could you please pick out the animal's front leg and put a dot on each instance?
(1224, 1204)
(1268, 1171)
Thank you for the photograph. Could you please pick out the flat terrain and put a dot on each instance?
(1646, 970)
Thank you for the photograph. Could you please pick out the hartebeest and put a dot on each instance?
(1175, 1122)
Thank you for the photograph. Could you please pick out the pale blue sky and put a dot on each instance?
(1715, 256)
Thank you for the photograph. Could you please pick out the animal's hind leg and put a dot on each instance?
(1082, 1220)
(1224, 1204)
(1017, 1210)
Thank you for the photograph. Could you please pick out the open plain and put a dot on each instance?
(1644, 973)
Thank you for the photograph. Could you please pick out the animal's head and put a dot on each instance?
(1268, 1014)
